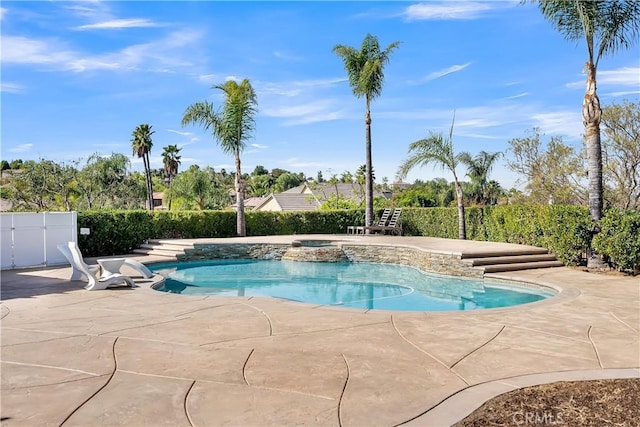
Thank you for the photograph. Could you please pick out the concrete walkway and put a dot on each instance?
(139, 357)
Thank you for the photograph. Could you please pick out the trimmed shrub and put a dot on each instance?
(619, 239)
(114, 232)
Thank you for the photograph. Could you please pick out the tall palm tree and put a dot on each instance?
(478, 169)
(606, 26)
(439, 150)
(141, 144)
(171, 162)
(365, 68)
(232, 126)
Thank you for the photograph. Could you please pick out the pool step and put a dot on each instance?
(524, 260)
(164, 248)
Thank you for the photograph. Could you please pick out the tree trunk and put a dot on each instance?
(147, 172)
(462, 227)
(240, 218)
(368, 189)
(591, 116)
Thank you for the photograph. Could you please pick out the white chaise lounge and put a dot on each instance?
(81, 271)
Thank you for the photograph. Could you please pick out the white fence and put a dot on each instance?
(31, 239)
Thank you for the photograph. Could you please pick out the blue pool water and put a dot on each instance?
(358, 285)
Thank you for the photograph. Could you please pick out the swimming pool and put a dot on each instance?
(357, 285)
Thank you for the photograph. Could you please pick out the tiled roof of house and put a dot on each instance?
(296, 202)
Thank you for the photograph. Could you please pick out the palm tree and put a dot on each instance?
(365, 68)
(439, 150)
(171, 162)
(141, 144)
(232, 126)
(478, 169)
(606, 26)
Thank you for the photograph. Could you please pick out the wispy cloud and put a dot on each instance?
(440, 73)
(259, 146)
(445, 10)
(22, 148)
(286, 56)
(180, 132)
(623, 93)
(296, 87)
(560, 122)
(520, 95)
(156, 56)
(9, 87)
(116, 24)
(321, 110)
(3, 11)
(624, 76)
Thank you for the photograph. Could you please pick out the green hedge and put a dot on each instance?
(619, 239)
(565, 230)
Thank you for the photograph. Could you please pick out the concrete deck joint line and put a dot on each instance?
(142, 326)
(244, 367)
(264, 314)
(459, 405)
(427, 353)
(115, 368)
(593, 344)
(478, 348)
(623, 322)
(344, 389)
(186, 408)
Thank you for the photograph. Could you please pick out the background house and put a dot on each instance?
(308, 197)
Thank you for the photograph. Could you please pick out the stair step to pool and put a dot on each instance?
(164, 248)
(496, 268)
(509, 259)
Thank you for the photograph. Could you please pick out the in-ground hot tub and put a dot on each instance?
(315, 251)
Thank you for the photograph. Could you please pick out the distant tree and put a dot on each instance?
(260, 185)
(438, 150)
(142, 143)
(16, 164)
(551, 171)
(259, 170)
(41, 186)
(276, 172)
(621, 154)
(5, 165)
(103, 182)
(346, 177)
(197, 187)
(365, 68)
(232, 126)
(286, 181)
(319, 177)
(171, 162)
(478, 169)
(606, 26)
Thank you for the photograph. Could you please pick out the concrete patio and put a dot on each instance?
(140, 357)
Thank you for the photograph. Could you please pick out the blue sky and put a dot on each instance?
(78, 77)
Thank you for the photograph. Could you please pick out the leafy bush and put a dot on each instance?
(619, 238)
(566, 232)
(113, 232)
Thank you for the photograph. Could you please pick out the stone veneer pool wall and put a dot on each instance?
(426, 261)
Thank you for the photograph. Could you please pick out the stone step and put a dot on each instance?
(509, 259)
(516, 252)
(164, 247)
(157, 252)
(178, 243)
(496, 268)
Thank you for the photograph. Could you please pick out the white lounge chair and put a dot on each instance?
(81, 271)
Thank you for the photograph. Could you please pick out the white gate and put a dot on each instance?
(31, 239)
